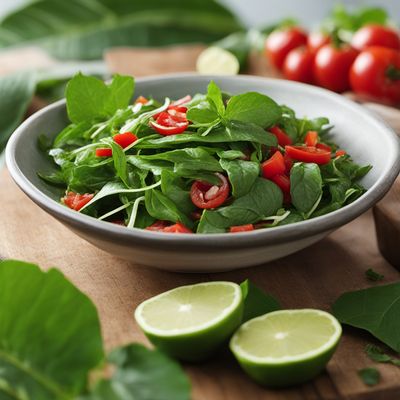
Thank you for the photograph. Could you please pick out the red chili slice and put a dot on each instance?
(76, 201)
(241, 228)
(273, 166)
(308, 154)
(167, 124)
(103, 152)
(125, 139)
(206, 195)
(311, 138)
(281, 135)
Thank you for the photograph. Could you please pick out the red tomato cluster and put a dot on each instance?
(369, 64)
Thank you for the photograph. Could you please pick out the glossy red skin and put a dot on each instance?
(125, 139)
(275, 165)
(376, 35)
(311, 138)
(288, 163)
(283, 138)
(76, 201)
(368, 75)
(199, 190)
(323, 146)
(280, 42)
(167, 124)
(241, 228)
(299, 65)
(332, 66)
(283, 182)
(104, 152)
(316, 40)
(308, 154)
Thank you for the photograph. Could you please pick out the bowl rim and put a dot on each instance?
(281, 234)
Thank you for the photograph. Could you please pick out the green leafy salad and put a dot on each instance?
(211, 163)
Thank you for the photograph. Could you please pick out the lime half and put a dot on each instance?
(217, 61)
(191, 322)
(286, 347)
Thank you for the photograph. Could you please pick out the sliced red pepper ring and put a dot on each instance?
(273, 166)
(283, 138)
(308, 154)
(241, 228)
(311, 138)
(103, 152)
(76, 201)
(125, 139)
(166, 124)
(206, 195)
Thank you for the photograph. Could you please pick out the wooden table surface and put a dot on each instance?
(313, 277)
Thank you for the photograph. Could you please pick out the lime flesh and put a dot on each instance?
(286, 347)
(217, 61)
(191, 322)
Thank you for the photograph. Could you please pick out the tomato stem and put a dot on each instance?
(393, 73)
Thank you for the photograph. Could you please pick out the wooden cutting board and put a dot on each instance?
(314, 277)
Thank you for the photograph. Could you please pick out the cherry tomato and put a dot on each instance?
(141, 100)
(283, 182)
(241, 228)
(125, 139)
(376, 75)
(206, 195)
(298, 65)
(167, 124)
(308, 154)
(76, 201)
(283, 138)
(288, 163)
(280, 42)
(340, 153)
(177, 228)
(311, 138)
(323, 146)
(316, 40)
(375, 35)
(104, 152)
(273, 166)
(332, 66)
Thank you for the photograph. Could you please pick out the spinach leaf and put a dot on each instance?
(253, 107)
(242, 175)
(44, 321)
(90, 99)
(202, 113)
(214, 96)
(376, 353)
(72, 135)
(375, 310)
(256, 301)
(161, 207)
(370, 376)
(373, 276)
(264, 199)
(155, 166)
(142, 374)
(120, 163)
(305, 187)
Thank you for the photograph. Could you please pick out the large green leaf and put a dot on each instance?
(16, 94)
(82, 29)
(49, 334)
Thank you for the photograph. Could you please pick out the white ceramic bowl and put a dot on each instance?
(366, 138)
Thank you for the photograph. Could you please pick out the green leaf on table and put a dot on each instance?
(370, 376)
(376, 353)
(49, 334)
(305, 187)
(254, 108)
(142, 374)
(256, 301)
(16, 93)
(375, 310)
(373, 276)
(90, 99)
(84, 29)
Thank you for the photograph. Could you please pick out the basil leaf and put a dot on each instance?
(256, 301)
(242, 175)
(370, 376)
(142, 374)
(214, 96)
(254, 108)
(375, 310)
(44, 322)
(305, 186)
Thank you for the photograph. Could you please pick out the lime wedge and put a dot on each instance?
(191, 322)
(286, 347)
(217, 61)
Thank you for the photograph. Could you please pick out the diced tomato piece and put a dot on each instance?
(157, 226)
(283, 182)
(308, 154)
(340, 153)
(288, 163)
(104, 152)
(241, 228)
(323, 146)
(206, 195)
(273, 166)
(283, 138)
(311, 138)
(76, 201)
(125, 139)
(141, 100)
(177, 228)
